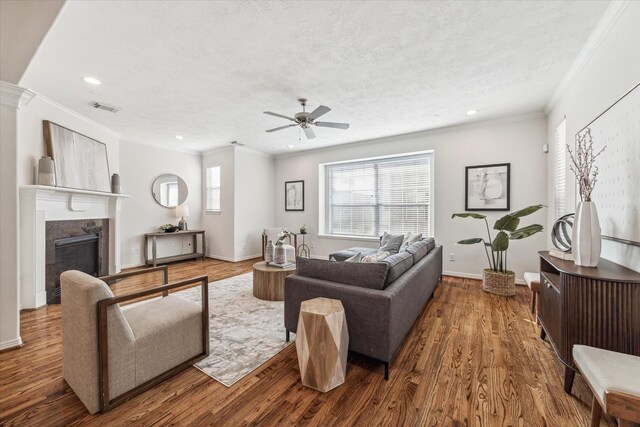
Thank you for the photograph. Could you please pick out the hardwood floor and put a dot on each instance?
(471, 359)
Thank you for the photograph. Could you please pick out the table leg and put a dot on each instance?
(569, 375)
(154, 252)
(146, 250)
(204, 246)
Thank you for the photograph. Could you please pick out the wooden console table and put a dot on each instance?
(154, 247)
(594, 306)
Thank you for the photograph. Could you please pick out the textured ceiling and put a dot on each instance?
(207, 70)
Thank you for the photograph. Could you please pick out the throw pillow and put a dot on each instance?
(377, 257)
(390, 243)
(410, 238)
(356, 258)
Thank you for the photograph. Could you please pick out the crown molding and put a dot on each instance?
(606, 23)
(14, 96)
(78, 115)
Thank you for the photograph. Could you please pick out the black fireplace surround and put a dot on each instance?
(75, 245)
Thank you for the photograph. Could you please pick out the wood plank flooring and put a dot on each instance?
(471, 359)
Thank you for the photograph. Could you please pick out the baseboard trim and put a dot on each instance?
(229, 259)
(475, 276)
(11, 344)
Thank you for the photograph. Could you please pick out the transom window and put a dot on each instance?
(368, 197)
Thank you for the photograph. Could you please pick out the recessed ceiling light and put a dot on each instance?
(471, 112)
(291, 146)
(179, 137)
(92, 81)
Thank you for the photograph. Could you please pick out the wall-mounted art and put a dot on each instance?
(617, 191)
(487, 187)
(80, 162)
(294, 196)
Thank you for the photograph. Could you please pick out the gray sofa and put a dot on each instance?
(381, 300)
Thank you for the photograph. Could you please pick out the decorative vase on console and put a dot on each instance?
(280, 253)
(585, 239)
(268, 251)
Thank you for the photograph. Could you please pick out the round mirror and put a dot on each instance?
(169, 190)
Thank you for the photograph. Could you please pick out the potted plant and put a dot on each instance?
(497, 278)
(585, 239)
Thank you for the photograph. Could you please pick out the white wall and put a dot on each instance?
(515, 140)
(220, 226)
(254, 201)
(140, 165)
(612, 69)
(31, 144)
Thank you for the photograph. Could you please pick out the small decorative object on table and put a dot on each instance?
(182, 211)
(116, 188)
(46, 172)
(169, 228)
(280, 253)
(497, 279)
(303, 229)
(586, 238)
(268, 252)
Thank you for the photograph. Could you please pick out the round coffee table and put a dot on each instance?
(268, 282)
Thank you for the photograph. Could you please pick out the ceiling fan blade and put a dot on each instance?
(279, 115)
(309, 132)
(320, 111)
(332, 125)
(281, 127)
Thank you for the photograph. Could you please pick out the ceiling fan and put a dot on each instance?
(304, 119)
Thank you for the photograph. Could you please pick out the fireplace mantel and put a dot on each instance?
(39, 204)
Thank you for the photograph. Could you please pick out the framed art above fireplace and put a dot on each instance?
(80, 162)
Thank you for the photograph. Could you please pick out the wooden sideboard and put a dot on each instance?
(595, 306)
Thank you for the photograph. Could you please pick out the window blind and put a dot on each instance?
(212, 189)
(367, 198)
(560, 136)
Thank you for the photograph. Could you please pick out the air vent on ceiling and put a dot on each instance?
(236, 143)
(105, 107)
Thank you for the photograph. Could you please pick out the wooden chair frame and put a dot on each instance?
(106, 403)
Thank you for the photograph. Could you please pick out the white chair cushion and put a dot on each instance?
(608, 370)
(532, 278)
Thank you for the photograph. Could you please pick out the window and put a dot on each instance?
(368, 197)
(212, 189)
(560, 169)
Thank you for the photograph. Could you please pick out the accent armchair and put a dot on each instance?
(111, 354)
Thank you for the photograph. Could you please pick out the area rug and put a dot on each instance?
(244, 331)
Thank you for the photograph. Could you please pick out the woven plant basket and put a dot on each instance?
(499, 283)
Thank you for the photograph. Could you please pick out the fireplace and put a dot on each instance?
(75, 245)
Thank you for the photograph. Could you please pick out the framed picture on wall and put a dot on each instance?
(294, 196)
(487, 187)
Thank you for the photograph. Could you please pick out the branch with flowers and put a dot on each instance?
(583, 164)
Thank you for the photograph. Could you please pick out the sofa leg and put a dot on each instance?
(288, 338)
(386, 371)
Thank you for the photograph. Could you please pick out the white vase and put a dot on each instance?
(586, 240)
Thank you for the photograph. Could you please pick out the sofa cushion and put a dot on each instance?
(365, 275)
(398, 264)
(390, 243)
(421, 248)
(348, 253)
